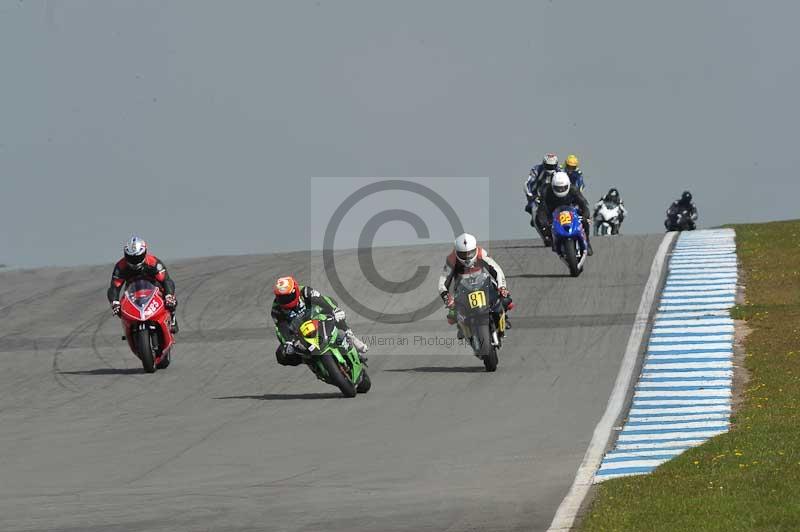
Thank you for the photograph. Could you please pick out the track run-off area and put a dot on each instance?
(225, 439)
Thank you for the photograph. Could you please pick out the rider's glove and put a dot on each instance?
(288, 348)
(449, 302)
(503, 291)
(115, 308)
(170, 301)
(338, 314)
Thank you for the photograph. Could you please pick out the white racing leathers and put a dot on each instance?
(607, 217)
(453, 269)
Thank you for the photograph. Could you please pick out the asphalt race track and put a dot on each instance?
(227, 440)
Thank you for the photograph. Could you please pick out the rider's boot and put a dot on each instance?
(453, 320)
(547, 238)
(508, 304)
(460, 333)
(586, 231)
(173, 324)
(360, 346)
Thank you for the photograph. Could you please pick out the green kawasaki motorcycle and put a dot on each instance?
(328, 353)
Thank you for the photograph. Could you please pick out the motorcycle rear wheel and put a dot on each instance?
(141, 340)
(166, 358)
(365, 384)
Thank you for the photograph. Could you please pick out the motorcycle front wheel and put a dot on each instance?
(144, 348)
(571, 256)
(337, 376)
(487, 351)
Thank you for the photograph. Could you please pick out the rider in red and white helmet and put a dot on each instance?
(468, 257)
(138, 263)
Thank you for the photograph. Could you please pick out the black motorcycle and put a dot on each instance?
(680, 220)
(481, 316)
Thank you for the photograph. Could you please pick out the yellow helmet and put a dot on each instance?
(572, 160)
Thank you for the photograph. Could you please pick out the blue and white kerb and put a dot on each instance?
(683, 396)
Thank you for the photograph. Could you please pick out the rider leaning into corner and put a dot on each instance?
(612, 197)
(139, 264)
(291, 299)
(562, 193)
(685, 202)
(468, 257)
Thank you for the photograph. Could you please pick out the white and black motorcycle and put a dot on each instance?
(607, 219)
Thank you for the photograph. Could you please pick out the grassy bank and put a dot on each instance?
(748, 478)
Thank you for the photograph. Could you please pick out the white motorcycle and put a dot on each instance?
(606, 219)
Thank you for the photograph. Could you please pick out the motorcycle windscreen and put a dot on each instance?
(140, 293)
(476, 290)
(608, 211)
(472, 281)
(309, 331)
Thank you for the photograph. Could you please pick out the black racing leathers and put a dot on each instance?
(283, 318)
(551, 202)
(676, 208)
(152, 269)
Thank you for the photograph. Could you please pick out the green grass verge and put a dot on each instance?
(748, 478)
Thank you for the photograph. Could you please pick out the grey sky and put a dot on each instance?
(199, 124)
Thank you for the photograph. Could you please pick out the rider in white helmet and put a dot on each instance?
(562, 192)
(139, 263)
(539, 177)
(468, 257)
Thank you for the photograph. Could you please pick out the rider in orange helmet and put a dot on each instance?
(291, 299)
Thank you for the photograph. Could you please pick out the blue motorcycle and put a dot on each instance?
(569, 240)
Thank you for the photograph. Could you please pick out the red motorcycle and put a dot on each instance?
(146, 321)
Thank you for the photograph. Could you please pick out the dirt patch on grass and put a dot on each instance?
(741, 376)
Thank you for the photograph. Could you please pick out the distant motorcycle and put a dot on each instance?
(606, 219)
(569, 240)
(481, 316)
(328, 354)
(680, 220)
(146, 321)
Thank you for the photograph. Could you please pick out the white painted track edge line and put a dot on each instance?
(567, 511)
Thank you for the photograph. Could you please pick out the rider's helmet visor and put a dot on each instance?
(288, 300)
(467, 256)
